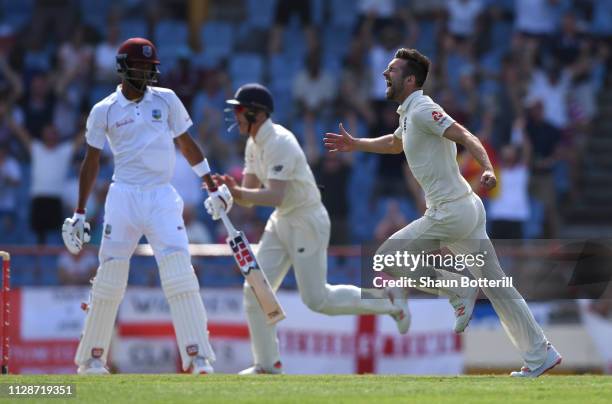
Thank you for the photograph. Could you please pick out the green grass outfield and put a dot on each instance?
(326, 388)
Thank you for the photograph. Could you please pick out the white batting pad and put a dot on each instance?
(182, 290)
(106, 294)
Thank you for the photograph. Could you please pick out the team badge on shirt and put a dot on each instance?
(436, 115)
(278, 168)
(156, 113)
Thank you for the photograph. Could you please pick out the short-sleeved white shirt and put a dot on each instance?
(431, 157)
(50, 167)
(140, 134)
(275, 154)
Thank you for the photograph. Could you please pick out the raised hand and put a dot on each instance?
(342, 142)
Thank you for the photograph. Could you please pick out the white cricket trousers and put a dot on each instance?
(301, 239)
(132, 211)
(460, 226)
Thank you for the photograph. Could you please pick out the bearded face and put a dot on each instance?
(394, 78)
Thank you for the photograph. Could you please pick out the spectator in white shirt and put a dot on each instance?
(536, 17)
(462, 16)
(105, 66)
(314, 88)
(51, 160)
(510, 209)
(552, 87)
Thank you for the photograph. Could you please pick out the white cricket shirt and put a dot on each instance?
(431, 157)
(275, 154)
(140, 134)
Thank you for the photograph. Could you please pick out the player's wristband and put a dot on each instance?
(79, 215)
(202, 168)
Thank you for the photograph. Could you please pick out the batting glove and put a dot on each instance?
(76, 232)
(219, 201)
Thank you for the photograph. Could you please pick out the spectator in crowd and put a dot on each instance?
(51, 160)
(10, 81)
(567, 45)
(38, 104)
(507, 101)
(351, 97)
(10, 178)
(284, 11)
(382, 50)
(207, 112)
(471, 170)
(105, 66)
(332, 172)
(536, 17)
(197, 232)
(390, 173)
(545, 140)
(75, 62)
(187, 183)
(510, 210)
(392, 221)
(462, 16)
(54, 18)
(551, 86)
(77, 269)
(183, 77)
(9, 112)
(314, 88)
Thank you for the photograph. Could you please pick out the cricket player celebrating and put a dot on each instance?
(455, 216)
(297, 233)
(140, 123)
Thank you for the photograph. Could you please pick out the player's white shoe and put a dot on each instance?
(277, 369)
(464, 307)
(402, 317)
(553, 358)
(94, 366)
(201, 366)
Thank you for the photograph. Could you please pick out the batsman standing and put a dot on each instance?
(455, 216)
(297, 233)
(141, 123)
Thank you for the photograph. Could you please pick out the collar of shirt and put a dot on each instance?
(124, 101)
(403, 108)
(264, 132)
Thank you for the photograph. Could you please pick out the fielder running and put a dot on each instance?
(455, 216)
(297, 232)
(140, 123)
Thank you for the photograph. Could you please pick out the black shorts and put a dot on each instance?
(46, 214)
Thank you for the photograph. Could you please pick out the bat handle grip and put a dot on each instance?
(231, 230)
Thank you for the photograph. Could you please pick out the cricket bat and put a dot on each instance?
(247, 263)
(255, 277)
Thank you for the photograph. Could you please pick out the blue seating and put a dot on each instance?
(282, 71)
(171, 33)
(343, 12)
(261, 13)
(132, 29)
(425, 42)
(246, 68)
(217, 39)
(168, 56)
